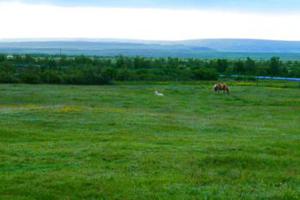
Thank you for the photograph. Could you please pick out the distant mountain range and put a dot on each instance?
(248, 45)
(206, 48)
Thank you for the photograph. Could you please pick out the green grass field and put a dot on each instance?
(123, 142)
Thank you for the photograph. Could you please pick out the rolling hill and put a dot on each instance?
(206, 48)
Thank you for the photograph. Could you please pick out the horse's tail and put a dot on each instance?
(227, 89)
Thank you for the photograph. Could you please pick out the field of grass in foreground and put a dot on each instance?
(123, 142)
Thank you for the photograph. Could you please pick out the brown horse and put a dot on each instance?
(221, 87)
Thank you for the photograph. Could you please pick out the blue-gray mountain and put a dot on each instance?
(208, 48)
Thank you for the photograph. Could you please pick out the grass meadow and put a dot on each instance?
(123, 142)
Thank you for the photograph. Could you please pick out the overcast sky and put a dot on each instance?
(150, 20)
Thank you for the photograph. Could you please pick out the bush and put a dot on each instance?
(100, 70)
(205, 74)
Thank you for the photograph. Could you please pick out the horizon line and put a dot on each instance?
(83, 39)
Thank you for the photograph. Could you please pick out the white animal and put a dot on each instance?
(159, 94)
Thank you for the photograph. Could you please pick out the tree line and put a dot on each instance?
(105, 70)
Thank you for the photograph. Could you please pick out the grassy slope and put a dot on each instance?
(122, 142)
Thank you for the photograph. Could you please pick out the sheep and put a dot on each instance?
(158, 94)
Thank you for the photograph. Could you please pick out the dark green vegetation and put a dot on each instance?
(123, 142)
(105, 70)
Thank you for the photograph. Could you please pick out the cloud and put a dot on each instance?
(241, 5)
(20, 20)
(245, 5)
